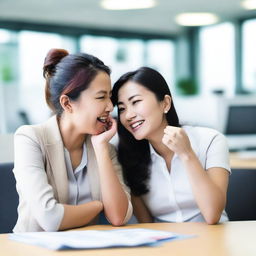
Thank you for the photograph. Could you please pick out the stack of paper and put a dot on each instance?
(91, 239)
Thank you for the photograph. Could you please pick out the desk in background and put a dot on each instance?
(241, 196)
(241, 162)
(228, 239)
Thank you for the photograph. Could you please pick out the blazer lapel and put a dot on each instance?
(55, 154)
(92, 170)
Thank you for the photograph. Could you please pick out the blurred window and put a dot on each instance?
(21, 62)
(124, 55)
(160, 56)
(217, 58)
(249, 55)
(33, 47)
(121, 55)
(8, 79)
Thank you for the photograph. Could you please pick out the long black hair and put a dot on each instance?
(134, 155)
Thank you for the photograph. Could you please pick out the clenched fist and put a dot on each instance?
(176, 139)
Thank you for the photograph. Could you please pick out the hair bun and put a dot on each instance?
(52, 58)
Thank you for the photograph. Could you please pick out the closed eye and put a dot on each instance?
(135, 102)
(103, 97)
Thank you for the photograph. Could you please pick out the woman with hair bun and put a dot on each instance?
(66, 171)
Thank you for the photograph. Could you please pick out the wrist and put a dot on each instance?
(100, 146)
(101, 150)
(187, 156)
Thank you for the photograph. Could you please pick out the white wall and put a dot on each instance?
(198, 110)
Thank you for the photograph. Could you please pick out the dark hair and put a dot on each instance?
(134, 155)
(68, 74)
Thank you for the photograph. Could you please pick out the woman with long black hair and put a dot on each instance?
(175, 173)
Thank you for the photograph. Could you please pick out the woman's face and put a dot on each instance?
(140, 112)
(91, 110)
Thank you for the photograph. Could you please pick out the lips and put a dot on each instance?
(136, 125)
(102, 119)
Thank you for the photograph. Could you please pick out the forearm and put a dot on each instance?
(114, 199)
(140, 210)
(210, 198)
(80, 215)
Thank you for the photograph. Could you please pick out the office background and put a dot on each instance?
(204, 65)
(211, 71)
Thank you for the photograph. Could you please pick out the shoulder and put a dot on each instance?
(26, 130)
(32, 132)
(30, 129)
(203, 137)
(47, 131)
(201, 133)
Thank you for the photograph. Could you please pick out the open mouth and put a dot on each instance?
(102, 119)
(136, 125)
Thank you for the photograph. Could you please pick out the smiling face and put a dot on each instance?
(140, 112)
(91, 110)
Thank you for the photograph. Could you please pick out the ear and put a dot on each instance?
(167, 103)
(65, 103)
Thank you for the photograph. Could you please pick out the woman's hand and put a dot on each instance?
(105, 137)
(176, 139)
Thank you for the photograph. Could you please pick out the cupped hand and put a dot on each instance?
(105, 136)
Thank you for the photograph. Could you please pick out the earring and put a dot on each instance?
(166, 111)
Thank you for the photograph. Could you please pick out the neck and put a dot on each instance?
(72, 139)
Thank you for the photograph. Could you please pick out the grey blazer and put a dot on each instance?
(41, 175)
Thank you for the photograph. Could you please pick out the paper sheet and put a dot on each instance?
(91, 239)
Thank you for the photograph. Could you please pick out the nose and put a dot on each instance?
(110, 106)
(129, 114)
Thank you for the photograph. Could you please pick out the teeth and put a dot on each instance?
(136, 124)
(102, 119)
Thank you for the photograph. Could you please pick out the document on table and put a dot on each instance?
(92, 239)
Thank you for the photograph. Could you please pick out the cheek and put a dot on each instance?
(154, 114)
(145, 111)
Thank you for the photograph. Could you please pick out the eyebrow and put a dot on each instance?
(129, 99)
(102, 92)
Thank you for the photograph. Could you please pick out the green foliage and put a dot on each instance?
(7, 75)
(187, 86)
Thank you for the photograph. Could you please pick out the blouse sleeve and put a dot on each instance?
(32, 183)
(118, 170)
(217, 154)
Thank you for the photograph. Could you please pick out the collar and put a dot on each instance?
(83, 162)
(153, 153)
(52, 131)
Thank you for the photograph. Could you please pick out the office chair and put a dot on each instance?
(8, 198)
(241, 196)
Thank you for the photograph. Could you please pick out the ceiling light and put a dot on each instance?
(196, 19)
(127, 4)
(249, 4)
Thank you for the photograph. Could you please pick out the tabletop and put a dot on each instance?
(227, 239)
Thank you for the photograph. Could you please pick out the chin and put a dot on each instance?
(138, 137)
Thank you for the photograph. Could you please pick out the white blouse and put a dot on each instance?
(170, 196)
(78, 184)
